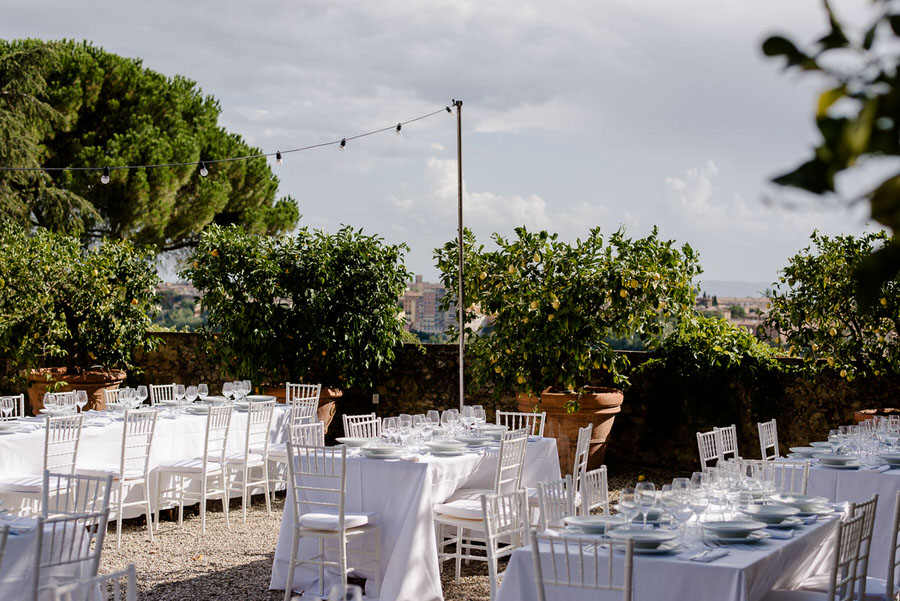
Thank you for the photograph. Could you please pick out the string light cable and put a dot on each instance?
(203, 165)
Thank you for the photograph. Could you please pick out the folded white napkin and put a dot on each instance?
(809, 519)
(780, 534)
(703, 556)
(880, 468)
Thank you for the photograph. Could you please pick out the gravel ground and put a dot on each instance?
(236, 563)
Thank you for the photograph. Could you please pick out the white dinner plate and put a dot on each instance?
(753, 537)
(801, 502)
(822, 444)
(734, 528)
(834, 459)
(351, 441)
(448, 453)
(643, 538)
(663, 549)
(806, 452)
(535, 438)
(846, 466)
(198, 409)
(770, 514)
(594, 524)
(259, 397)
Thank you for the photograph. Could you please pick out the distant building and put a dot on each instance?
(420, 307)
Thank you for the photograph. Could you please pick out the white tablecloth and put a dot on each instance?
(403, 494)
(856, 486)
(742, 575)
(22, 454)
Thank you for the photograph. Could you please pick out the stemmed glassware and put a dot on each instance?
(628, 505)
(81, 399)
(433, 416)
(142, 393)
(202, 391)
(190, 394)
(228, 390)
(645, 492)
(7, 406)
(390, 429)
(246, 387)
(180, 393)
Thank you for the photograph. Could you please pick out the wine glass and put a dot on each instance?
(228, 390)
(467, 416)
(434, 416)
(699, 503)
(645, 493)
(389, 429)
(628, 505)
(202, 391)
(179, 393)
(480, 418)
(142, 393)
(7, 406)
(191, 394)
(81, 399)
(246, 387)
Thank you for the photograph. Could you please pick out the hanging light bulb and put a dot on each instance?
(104, 179)
(278, 160)
(203, 170)
(399, 125)
(343, 143)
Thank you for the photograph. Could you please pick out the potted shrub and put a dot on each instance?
(72, 316)
(555, 306)
(313, 307)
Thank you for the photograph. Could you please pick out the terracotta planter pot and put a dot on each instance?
(95, 382)
(598, 407)
(864, 414)
(327, 401)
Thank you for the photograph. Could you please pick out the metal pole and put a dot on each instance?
(461, 306)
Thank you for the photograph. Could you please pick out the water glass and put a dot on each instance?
(434, 416)
(246, 387)
(81, 399)
(179, 392)
(628, 505)
(142, 393)
(645, 492)
(191, 394)
(202, 391)
(228, 390)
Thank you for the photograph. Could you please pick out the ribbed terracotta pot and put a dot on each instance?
(327, 401)
(864, 414)
(598, 407)
(94, 382)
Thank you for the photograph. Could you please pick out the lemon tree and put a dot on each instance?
(553, 304)
(63, 305)
(813, 313)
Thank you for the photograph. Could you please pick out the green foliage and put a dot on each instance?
(857, 117)
(177, 313)
(315, 305)
(60, 303)
(813, 309)
(555, 304)
(72, 104)
(737, 312)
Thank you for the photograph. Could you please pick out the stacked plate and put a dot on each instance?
(198, 408)
(653, 517)
(837, 462)
(379, 452)
(737, 531)
(593, 524)
(111, 407)
(805, 452)
(892, 459)
(821, 444)
(774, 516)
(356, 442)
(258, 397)
(805, 503)
(446, 448)
(474, 441)
(648, 542)
(494, 431)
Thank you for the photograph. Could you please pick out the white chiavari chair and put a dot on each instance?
(72, 541)
(209, 465)
(888, 589)
(575, 562)
(786, 477)
(72, 494)
(462, 512)
(308, 435)
(728, 446)
(556, 500)
(118, 586)
(842, 577)
(16, 402)
(112, 395)
(161, 392)
(506, 528)
(362, 426)
(579, 466)
(61, 439)
(306, 398)
(255, 456)
(133, 469)
(318, 480)
(708, 445)
(595, 491)
(768, 440)
(62, 398)
(4, 535)
(514, 420)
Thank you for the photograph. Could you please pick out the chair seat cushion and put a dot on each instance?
(329, 521)
(465, 508)
(130, 473)
(784, 595)
(252, 458)
(26, 484)
(276, 450)
(187, 466)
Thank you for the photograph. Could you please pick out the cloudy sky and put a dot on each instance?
(576, 113)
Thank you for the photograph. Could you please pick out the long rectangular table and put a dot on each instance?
(179, 437)
(742, 575)
(403, 494)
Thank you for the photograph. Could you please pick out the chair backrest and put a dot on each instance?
(61, 443)
(786, 477)
(579, 562)
(768, 440)
(867, 510)
(308, 435)
(217, 425)
(844, 562)
(318, 480)
(508, 477)
(4, 535)
(111, 395)
(727, 440)
(298, 392)
(304, 411)
(362, 426)
(893, 561)
(118, 586)
(161, 392)
(259, 423)
(514, 420)
(17, 402)
(708, 445)
(556, 500)
(62, 398)
(506, 521)
(137, 440)
(73, 494)
(67, 541)
(582, 452)
(595, 491)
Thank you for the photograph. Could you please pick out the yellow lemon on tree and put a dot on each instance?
(533, 305)
(555, 304)
(883, 302)
(537, 257)
(635, 283)
(814, 346)
(550, 317)
(214, 252)
(482, 275)
(623, 293)
(512, 269)
(134, 301)
(831, 361)
(832, 332)
(843, 373)
(520, 379)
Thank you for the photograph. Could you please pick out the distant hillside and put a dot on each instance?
(726, 288)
